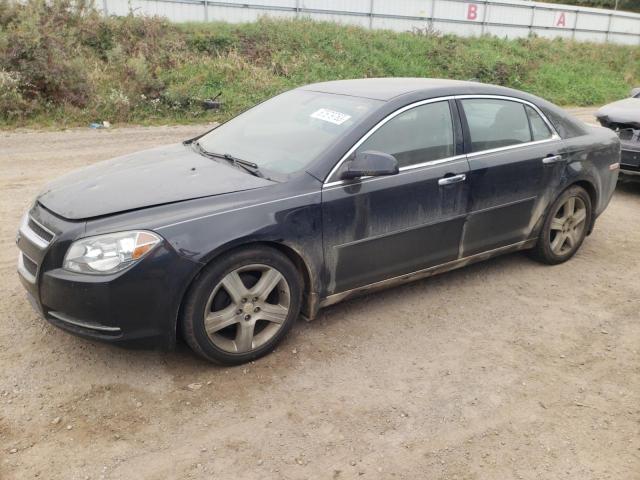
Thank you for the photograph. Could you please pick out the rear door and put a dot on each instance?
(515, 167)
(381, 227)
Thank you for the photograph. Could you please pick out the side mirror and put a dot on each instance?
(370, 164)
(635, 92)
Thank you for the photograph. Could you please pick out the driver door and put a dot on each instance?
(377, 228)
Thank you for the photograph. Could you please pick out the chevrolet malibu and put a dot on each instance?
(316, 195)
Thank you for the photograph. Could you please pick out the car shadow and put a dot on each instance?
(182, 359)
(628, 184)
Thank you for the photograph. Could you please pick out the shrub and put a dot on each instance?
(39, 42)
(61, 61)
(12, 104)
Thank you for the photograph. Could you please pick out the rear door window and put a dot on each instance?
(496, 123)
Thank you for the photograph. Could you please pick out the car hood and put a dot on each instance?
(144, 179)
(622, 111)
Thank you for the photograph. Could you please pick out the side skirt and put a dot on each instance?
(427, 272)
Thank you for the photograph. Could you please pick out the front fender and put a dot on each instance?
(293, 223)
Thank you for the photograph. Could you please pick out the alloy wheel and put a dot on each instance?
(247, 308)
(568, 225)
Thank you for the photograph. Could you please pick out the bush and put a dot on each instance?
(12, 103)
(62, 62)
(39, 42)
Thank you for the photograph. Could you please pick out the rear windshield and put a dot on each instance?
(286, 133)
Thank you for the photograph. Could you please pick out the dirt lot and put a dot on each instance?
(506, 369)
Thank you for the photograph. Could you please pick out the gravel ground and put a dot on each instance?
(505, 369)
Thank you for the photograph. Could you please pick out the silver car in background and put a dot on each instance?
(623, 117)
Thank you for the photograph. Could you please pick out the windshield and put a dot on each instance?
(284, 134)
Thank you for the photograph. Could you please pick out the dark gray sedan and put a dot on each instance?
(316, 195)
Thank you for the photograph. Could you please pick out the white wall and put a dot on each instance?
(504, 18)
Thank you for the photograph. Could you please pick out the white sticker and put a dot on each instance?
(330, 116)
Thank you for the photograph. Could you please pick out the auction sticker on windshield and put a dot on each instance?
(330, 116)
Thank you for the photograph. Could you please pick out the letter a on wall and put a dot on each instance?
(561, 20)
(472, 11)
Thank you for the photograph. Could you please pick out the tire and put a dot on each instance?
(563, 232)
(245, 320)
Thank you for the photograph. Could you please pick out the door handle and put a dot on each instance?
(552, 159)
(453, 179)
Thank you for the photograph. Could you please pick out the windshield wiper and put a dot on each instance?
(246, 165)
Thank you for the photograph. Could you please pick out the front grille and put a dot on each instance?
(27, 268)
(36, 233)
(39, 230)
(29, 265)
(33, 240)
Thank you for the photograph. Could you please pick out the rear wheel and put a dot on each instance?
(242, 305)
(565, 227)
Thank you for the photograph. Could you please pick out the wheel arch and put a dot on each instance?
(310, 297)
(591, 190)
(584, 183)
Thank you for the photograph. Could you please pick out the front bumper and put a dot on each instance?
(136, 307)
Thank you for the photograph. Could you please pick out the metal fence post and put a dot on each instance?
(297, 8)
(606, 37)
(533, 18)
(433, 14)
(484, 17)
(371, 5)
(575, 26)
(206, 10)
(105, 8)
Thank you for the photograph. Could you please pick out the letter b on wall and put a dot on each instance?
(472, 11)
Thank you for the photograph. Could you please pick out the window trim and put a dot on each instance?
(554, 135)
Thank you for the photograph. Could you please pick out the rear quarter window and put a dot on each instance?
(539, 129)
(566, 127)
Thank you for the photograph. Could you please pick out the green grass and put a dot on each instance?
(147, 71)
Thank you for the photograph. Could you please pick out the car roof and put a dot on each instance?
(386, 89)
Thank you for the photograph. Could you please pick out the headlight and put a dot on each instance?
(109, 253)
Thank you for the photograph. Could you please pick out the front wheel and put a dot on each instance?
(242, 305)
(565, 227)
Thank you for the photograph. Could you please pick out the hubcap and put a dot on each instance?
(247, 308)
(567, 225)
